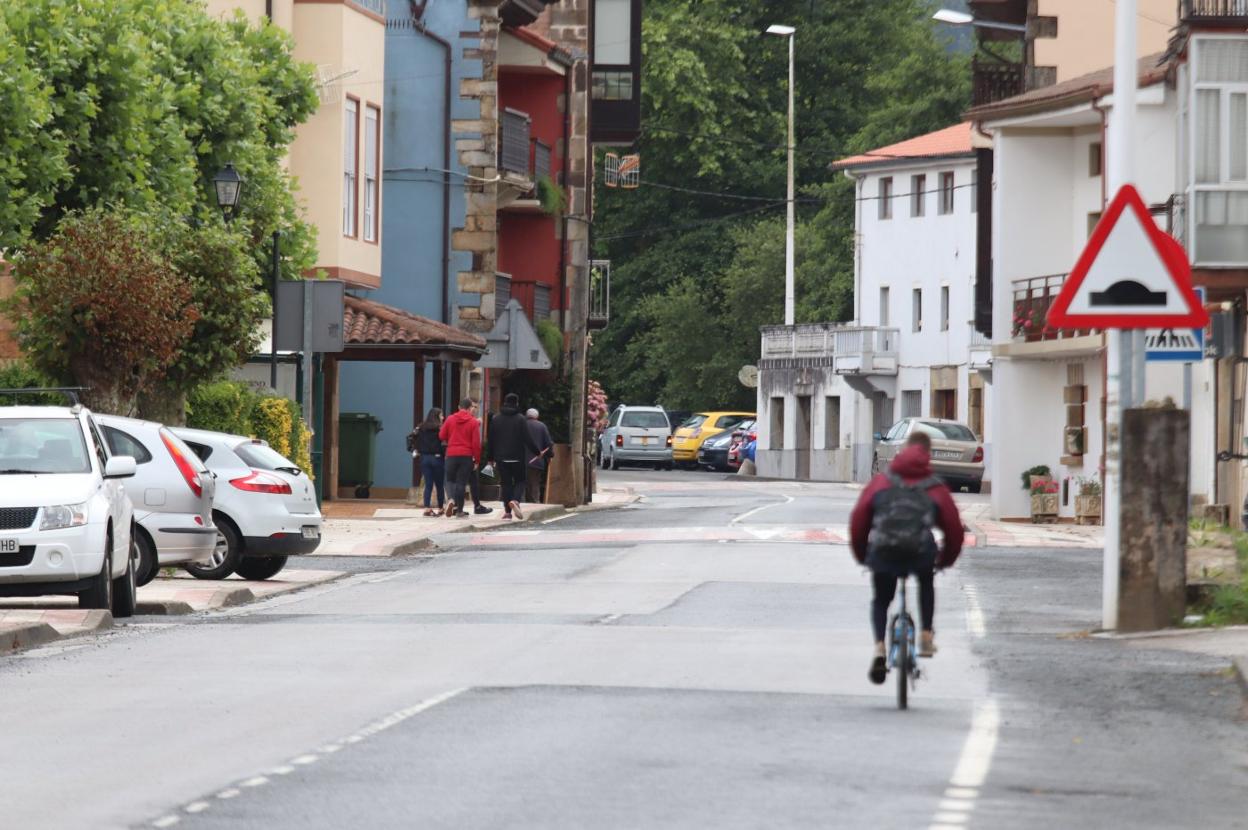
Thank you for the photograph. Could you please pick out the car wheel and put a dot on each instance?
(974, 487)
(612, 465)
(148, 565)
(260, 567)
(225, 555)
(99, 595)
(669, 466)
(125, 591)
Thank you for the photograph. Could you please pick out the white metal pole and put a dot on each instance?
(789, 312)
(1118, 348)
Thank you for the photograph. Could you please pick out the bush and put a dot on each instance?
(552, 341)
(21, 375)
(238, 408)
(224, 406)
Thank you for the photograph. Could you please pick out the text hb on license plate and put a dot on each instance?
(310, 532)
(8, 546)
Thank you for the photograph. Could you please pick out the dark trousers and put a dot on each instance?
(433, 471)
(536, 489)
(459, 471)
(511, 477)
(885, 585)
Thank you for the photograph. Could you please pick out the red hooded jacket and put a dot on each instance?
(911, 464)
(462, 434)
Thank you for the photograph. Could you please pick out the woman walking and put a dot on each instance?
(432, 453)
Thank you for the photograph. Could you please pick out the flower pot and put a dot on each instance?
(1088, 509)
(1044, 507)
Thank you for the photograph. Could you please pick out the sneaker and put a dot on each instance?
(927, 644)
(429, 511)
(481, 510)
(450, 510)
(463, 514)
(515, 508)
(879, 669)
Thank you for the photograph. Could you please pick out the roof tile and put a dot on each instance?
(951, 141)
(370, 323)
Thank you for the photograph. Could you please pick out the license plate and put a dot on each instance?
(644, 440)
(8, 546)
(949, 454)
(310, 532)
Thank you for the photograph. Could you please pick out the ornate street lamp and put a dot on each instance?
(229, 187)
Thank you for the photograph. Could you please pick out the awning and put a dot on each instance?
(374, 330)
(513, 343)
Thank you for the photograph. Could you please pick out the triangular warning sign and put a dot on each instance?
(1131, 275)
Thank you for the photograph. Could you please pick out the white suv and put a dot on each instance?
(66, 524)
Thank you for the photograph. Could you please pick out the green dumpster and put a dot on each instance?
(357, 451)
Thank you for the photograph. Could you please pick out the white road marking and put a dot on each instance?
(304, 760)
(602, 530)
(972, 769)
(761, 508)
(329, 749)
(957, 805)
(558, 518)
(196, 807)
(283, 770)
(961, 792)
(228, 794)
(384, 577)
(258, 781)
(166, 821)
(951, 818)
(974, 613)
(511, 534)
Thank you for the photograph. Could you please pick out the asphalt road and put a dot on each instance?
(666, 678)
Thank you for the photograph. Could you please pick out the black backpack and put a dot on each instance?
(902, 519)
(411, 440)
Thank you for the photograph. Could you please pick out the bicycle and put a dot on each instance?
(901, 647)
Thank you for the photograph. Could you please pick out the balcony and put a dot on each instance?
(993, 81)
(850, 350)
(377, 7)
(599, 293)
(979, 354)
(1214, 12)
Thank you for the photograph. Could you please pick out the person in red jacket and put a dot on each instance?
(462, 434)
(911, 466)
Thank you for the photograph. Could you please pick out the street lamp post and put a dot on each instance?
(229, 189)
(954, 18)
(789, 313)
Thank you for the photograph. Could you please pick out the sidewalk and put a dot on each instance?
(988, 532)
(1230, 642)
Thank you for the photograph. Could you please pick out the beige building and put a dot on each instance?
(336, 158)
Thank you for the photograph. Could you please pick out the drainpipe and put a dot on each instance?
(1100, 110)
(567, 152)
(446, 166)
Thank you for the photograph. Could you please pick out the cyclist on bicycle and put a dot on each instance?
(890, 531)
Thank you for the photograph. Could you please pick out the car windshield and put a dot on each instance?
(264, 457)
(650, 420)
(946, 431)
(42, 445)
(693, 422)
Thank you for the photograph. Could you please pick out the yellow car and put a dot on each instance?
(697, 428)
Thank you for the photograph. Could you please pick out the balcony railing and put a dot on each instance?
(599, 293)
(1214, 11)
(855, 350)
(1032, 299)
(513, 143)
(993, 81)
(978, 340)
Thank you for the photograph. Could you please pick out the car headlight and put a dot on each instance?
(64, 515)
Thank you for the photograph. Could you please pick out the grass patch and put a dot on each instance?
(1228, 604)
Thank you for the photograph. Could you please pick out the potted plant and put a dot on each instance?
(1040, 471)
(1088, 501)
(1043, 500)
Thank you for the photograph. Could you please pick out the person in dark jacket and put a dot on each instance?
(511, 446)
(431, 453)
(912, 465)
(536, 473)
(462, 434)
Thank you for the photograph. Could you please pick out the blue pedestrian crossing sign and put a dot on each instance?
(1176, 345)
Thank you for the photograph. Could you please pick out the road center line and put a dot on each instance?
(973, 764)
(558, 518)
(761, 508)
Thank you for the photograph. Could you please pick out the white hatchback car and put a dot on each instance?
(66, 524)
(171, 491)
(265, 506)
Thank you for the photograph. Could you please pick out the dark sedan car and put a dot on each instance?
(713, 454)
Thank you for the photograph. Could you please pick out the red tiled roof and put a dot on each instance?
(369, 323)
(951, 141)
(1085, 88)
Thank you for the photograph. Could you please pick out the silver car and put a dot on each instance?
(172, 492)
(637, 435)
(957, 455)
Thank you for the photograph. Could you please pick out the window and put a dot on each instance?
(372, 149)
(615, 418)
(918, 186)
(1094, 159)
(350, 165)
(612, 32)
(613, 86)
(883, 305)
(897, 430)
(947, 432)
(946, 193)
(975, 191)
(645, 420)
(916, 310)
(123, 443)
(1219, 141)
(944, 308)
(911, 403)
(44, 445)
(886, 198)
(730, 421)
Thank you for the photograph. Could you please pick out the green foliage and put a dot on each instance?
(240, 409)
(552, 340)
(551, 196)
(551, 396)
(694, 275)
(19, 374)
(224, 406)
(1038, 470)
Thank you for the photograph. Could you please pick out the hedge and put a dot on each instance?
(240, 409)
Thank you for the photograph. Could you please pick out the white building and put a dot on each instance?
(826, 389)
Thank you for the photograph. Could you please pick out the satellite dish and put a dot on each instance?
(748, 376)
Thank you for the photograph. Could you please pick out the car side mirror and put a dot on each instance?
(120, 466)
(879, 436)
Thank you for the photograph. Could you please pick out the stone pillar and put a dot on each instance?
(1153, 569)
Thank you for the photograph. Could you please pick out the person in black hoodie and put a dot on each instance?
(511, 446)
(429, 448)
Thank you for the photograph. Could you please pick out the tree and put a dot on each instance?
(78, 315)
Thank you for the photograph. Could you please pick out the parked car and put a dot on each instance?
(697, 428)
(957, 455)
(171, 492)
(713, 454)
(265, 507)
(676, 417)
(66, 524)
(742, 435)
(636, 435)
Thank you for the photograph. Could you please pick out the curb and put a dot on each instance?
(167, 608)
(27, 636)
(410, 546)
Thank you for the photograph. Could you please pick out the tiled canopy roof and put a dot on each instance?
(951, 141)
(369, 323)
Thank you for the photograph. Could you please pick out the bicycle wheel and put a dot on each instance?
(905, 658)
